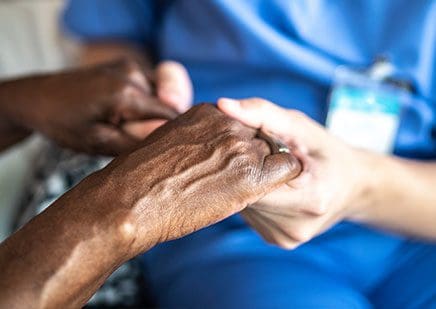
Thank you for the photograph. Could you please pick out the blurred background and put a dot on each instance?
(30, 41)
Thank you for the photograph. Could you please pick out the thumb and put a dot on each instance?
(278, 169)
(173, 85)
(288, 125)
(257, 113)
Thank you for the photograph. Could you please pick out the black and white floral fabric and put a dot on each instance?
(56, 171)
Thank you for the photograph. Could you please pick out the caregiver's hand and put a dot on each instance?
(192, 172)
(328, 189)
(104, 109)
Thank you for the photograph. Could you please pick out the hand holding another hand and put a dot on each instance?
(192, 172)
(106, 109)
(328, 190)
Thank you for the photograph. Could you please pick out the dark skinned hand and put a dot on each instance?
(196, 170)
(105, 109)
(190, 173)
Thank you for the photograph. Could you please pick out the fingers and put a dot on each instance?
(278, 169)
(261, 146)
(269, 230)
(285, 230)
(130, 71)
(142, 108)
(257, 113)
(137, 94)
(288, 125)
(174, 86)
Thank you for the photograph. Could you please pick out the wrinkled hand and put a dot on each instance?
(192, 172)
(105, 109)
(327, 189)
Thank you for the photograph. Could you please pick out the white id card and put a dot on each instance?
(364, 112)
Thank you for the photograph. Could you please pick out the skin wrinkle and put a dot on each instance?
(259, 208)
(160, 184)
(171, 167)
(179, 168)
(169, 187)
(329, 190)
(183, 166)
(228, 162)
(91, 97)
(197, 183)
(253, 220)
(272, 225)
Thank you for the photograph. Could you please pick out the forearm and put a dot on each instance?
(61, 257)
(21, 102)
(11, 131)
(19, 98)
(401, 196)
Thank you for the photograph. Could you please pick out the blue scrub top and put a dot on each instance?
(282, 50)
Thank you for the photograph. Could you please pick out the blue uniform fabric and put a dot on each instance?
(285, 51)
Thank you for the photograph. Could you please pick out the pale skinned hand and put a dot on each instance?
(328, 188)
(106, 109)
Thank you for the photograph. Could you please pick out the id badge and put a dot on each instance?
(363, 111)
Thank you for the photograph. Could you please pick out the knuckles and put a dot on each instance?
(231, 138)
(235, 143)
(212, 117)
(202, 110)
(123, 90)
(127, 67)
(124, 77)
(98, 137)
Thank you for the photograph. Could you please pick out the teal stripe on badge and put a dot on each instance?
(365, 100)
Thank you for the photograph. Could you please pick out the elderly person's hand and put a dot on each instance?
(328, 188)
(106, 109)
(192, 172)
(198, 169)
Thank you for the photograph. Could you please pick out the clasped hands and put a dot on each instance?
(201, 166)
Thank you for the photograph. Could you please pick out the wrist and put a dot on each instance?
(90, 209)
(369, 181)
(9, 103)
(114, 209)
(14, 99)
(76, 244)
(22, 100)
(11, 131)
